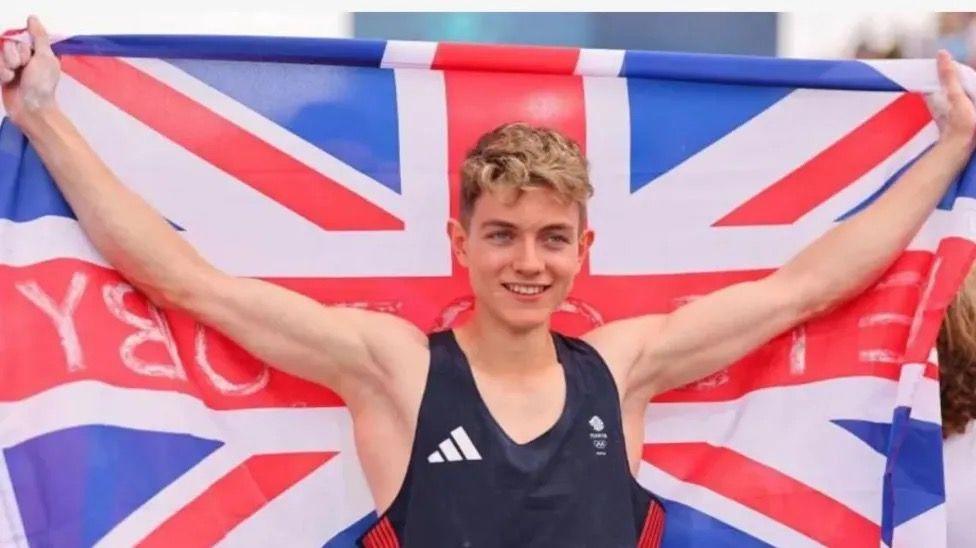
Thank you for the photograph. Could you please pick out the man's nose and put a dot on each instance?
(528, 261)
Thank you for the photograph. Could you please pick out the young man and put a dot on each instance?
(484, 436)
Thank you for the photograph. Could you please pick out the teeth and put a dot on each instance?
(525, 289)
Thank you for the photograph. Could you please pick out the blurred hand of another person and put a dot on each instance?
(29, 78)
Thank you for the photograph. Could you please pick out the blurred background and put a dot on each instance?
(818, 35)
(889, 34)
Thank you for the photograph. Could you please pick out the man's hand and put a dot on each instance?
(959, 123)
(29, 78)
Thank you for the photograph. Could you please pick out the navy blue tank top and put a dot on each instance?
(469, 485)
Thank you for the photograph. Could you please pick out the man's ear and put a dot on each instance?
(459, 240)
(586, 240)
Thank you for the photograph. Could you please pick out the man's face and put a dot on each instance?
(521, 257)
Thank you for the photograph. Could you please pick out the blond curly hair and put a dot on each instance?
(516, 157)
(957, 360)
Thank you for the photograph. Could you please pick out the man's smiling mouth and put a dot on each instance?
(526, 289)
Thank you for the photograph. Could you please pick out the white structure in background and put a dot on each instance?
(832, 35)
(236, 17)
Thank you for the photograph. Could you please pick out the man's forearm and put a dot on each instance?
(851, 256)
(125, 229)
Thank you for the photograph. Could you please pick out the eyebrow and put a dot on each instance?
(557, 226)
(497, 223)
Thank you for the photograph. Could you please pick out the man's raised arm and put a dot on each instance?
(338, 347)
(654, 353)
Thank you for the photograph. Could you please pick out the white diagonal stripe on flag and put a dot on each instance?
(727, 510)
(311, 511)
(260, 430)
(172, 498)
(274, 134)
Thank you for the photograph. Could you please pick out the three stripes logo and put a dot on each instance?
(456, 447)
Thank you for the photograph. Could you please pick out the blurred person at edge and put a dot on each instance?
(954, 32)
(957, 372)
(957, 35)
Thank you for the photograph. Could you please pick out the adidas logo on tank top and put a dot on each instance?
(456, 447)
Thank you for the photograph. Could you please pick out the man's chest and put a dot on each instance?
(524, 409)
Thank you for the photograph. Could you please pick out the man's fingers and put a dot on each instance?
(6, 75)
(949, 76)
(11, 57)
(24, 50)
(41, 40)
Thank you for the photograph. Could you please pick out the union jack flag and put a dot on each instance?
(330, 167)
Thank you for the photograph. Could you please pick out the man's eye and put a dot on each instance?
(557, 238)
(500, 236)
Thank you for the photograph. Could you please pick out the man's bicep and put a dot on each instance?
(715, 331)
(621, 345)
(655, 353)
(333, 346)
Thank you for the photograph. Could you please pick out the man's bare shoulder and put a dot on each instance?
(394, 342)
(621, 338)
(621, 343)
(400, 354)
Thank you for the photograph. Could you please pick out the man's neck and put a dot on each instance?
(492, 346)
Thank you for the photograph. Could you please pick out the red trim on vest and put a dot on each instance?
(381, 535)
(653, 530)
